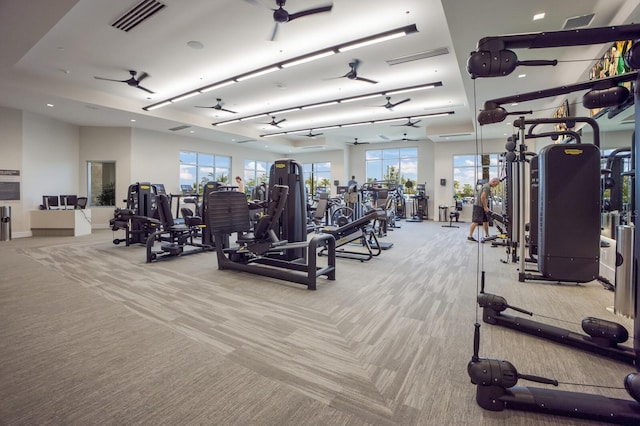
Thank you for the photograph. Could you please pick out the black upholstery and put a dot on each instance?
(189, 218)
(82, 203)
(166, 218)
(267, 223)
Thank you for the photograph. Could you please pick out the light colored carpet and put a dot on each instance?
(90, 334)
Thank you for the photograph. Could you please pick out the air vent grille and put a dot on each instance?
(137, 15)
(422, 55)
(578, 21)
(175, 129)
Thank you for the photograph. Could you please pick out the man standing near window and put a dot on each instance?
(481, 209)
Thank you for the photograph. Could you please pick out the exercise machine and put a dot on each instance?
(176, 239)
(496, 380)
(258, 248)
(420, 204)
(359, 231)
(139, 219)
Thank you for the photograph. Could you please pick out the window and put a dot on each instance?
(395, 165)
(468, 168)
(317, 177)
(255, 172)
(196, 169)
(101, 184)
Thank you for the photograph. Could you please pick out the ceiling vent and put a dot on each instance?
(422, 55)
(578, 21)
(175, 129)
(248, 140)
(313, 147)
(137, 15)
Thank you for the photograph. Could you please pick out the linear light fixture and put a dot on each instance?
(373, 40)
(309, 58)
(257, 73)
(216, 86)
(358, 123)
(355, 44)
(340, 101)
(185, 96)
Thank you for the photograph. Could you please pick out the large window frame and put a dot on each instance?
(317, 177)
(198, 168)
(392, 164)
(469, 169)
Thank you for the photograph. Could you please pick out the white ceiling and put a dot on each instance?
(52, 50)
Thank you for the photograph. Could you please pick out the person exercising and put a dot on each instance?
(481, 209)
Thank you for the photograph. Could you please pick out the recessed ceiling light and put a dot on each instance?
(538, 16)
(522, 75)
(133, 120)
(50, 105)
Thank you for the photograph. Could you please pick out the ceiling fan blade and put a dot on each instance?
(400, 102)
(197, 106)
(142, 76)
(228, 110)
(110, 79)
(280, 121)
(145, 89)
(366, 79)
(322, 9)
(274, 33)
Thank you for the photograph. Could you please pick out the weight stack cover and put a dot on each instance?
(569, 212)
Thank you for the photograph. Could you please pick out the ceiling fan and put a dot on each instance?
(355, 142)
(390, 105)
(281, 16)
(218, 106)
(409, 123)
(406, 139)
(313, 135)
(353, 74)
(274, 122)
(133, 81)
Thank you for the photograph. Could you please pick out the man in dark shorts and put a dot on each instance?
(481, 208)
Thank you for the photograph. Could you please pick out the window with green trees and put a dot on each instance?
(197, 168)
(468, 169)
(395, 165)
(255, 172)
(317, 176)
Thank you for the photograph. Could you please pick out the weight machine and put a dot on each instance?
(496, 380)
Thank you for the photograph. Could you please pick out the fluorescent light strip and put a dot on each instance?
(389, 120)
(216, 86)
(319, 105)
(340, 101)
(185, 96)
(308, 58)
(284, 111)
(366, 41)
(224, 123)
(360, 98)
(156, 106)
(360, 123)
(251, 117)
(357, 124)
(414, 89)
(372, 41)
(257, 73)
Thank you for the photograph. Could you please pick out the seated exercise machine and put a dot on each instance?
(139, 218)
(359, 230)
(496, 379)
(175, 237)
(258, 249)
